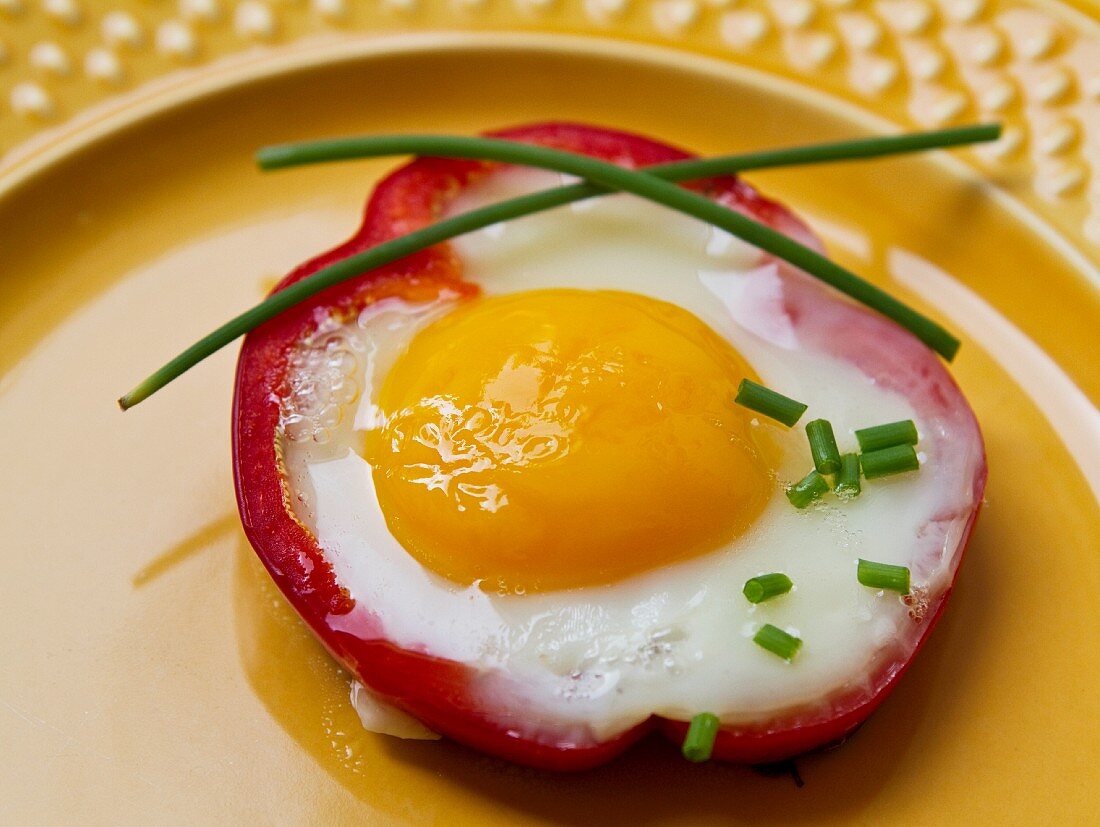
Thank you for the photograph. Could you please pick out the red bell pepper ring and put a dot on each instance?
(440, 692)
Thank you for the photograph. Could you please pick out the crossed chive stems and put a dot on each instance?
(884, 449)
(656, 183)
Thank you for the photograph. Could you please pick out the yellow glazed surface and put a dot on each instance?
(151, 671)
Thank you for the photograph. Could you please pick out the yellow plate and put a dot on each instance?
(151, 670)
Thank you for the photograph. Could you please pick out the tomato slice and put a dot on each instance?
(441, 692)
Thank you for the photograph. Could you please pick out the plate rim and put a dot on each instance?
(22, 164)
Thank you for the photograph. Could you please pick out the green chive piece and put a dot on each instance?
(766, 586)
(894, 460)
(807, 489)
(877, 146)
(847, 481)
(883, 576)
(768, 402)
(777, 641)
(688, 170)
(887, 436)
(641, 183)
(823, 446)
(699, 741)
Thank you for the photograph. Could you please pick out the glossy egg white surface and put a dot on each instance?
(676, 640)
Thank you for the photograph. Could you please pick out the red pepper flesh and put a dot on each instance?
(438, 691)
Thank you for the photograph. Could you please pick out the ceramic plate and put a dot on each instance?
(152, 672)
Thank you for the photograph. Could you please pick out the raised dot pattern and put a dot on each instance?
(923, 62)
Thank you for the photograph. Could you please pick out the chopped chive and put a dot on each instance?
(887, 436)
(777, 641)
(701, 734)
(847, 480)
(768, 402)
(807, 489)
(692, 169)
(883, 576)
(893, 460)
(766, 586)
(823, 446)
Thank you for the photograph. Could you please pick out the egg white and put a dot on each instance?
(677, 640)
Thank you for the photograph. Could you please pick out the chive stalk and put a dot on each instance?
(771, 404)
(883, 576)
(894, 460)
(854, 149)
(387, 252)
(766, 586)
(613, 177)
(823, 448)
(778, 642)
(699, 741)
(847, 479)
(807, 489)
(887, 436)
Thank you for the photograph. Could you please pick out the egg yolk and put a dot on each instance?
(562, 438)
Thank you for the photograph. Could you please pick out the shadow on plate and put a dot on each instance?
(307, 694)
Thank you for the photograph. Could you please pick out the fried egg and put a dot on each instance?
(549, 482)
